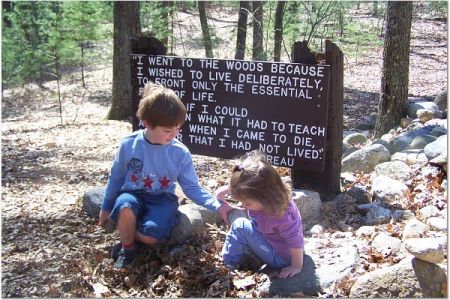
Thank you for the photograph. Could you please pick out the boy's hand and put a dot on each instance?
(103, 217)
(289, 272)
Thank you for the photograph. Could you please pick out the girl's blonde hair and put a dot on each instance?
(160, 106)
(257, 179)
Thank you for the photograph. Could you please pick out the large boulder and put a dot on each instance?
(92, 201)
(309, 205)
(441, 101)
(396, 169)
(192, 219)
(365, 159)
(436, 148)
(410, 278)
(323, 264)
(413, 107)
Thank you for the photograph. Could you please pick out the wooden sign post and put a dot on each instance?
(235, 106)
(327, 182)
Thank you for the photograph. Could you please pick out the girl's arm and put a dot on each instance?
(296, 264)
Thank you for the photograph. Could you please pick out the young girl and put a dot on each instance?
(274, 232)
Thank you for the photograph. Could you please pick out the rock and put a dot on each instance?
(432, 250)
(386, 144)
(306, 282)
(348, 150)
(438, 224)
(368, 206)
(441, 101)
(438, 130)
(317, 229)
(321, 267)
(378, 215)
(414, 228)
(388, 137)
(436, 148)
(360, 193)
(440, 160)
(385, 243)
(355, 139)
(419, 142)
(437, 122)
(365, 231)
(401, 214)
(368, 123)
(388, 190)
(410, 278)
(411, 157)
(404, 122)
(347, 178)
(309, 205)
(333, 262)
(401, 143)
(92, 201)
(428, 211)
(192, 219)
(413, 107)
(425, 115)
(444, 184)
(396, 169)
(365, 159)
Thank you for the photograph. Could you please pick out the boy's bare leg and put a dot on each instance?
(127, 226)
(146, 239)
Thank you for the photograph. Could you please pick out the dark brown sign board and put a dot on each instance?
(235, 106)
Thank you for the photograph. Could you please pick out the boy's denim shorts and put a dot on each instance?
(156, 215)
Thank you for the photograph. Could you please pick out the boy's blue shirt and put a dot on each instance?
(154, 169)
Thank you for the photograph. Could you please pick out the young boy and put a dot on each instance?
(140, 195)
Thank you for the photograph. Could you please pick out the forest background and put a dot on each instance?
(56, 92)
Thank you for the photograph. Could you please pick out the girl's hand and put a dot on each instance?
(289, 272)
(103, 216)
(222, 192)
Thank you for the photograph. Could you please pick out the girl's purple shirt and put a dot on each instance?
(282, 232)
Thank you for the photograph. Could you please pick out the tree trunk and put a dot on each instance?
(395, 74)
(126, 26)
(278, 35)
(242, 30)
(205, 29)
(258, 34)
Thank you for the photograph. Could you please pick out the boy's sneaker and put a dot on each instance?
(125, 258)
(115, 251)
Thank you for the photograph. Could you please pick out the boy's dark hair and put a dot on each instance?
(160, 106)
(256, 178)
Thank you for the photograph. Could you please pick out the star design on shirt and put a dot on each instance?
(164, 182)
(134, 178)
(148, 182)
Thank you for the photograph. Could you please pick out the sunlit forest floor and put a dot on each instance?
(51, 248)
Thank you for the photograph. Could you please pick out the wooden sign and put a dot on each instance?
(235, 106)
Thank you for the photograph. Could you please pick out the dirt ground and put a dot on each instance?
(51, 248)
